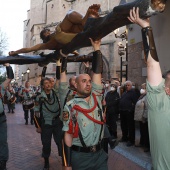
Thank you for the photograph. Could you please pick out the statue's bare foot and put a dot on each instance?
(91, 12)
(95, 7)
(158, 5)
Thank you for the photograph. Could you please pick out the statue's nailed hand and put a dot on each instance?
(134, 18)
(12, 53)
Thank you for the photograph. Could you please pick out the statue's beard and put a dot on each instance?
(46, 39)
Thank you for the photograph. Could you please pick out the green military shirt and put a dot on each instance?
(70, 95)
(56, 88)
(50, 107)
(27, 93)
(159, 125)
(90, 130)
(2, 94)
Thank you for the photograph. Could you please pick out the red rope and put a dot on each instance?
(86, 111)
(80, 109)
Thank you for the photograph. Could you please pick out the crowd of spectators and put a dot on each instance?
(126, 103)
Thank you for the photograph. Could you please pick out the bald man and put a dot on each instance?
(83, 121)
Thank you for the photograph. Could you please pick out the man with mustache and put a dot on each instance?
(47, 109)
(83, 120)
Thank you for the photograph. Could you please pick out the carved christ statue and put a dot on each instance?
(74, 28)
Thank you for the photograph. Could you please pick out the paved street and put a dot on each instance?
(25, 149)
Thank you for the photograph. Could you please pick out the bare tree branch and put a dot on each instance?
(3, 42)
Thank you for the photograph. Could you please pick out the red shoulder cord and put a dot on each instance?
(74, 92)
(73, 128)
(86, 111)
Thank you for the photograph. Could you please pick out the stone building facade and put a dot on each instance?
(136, 63)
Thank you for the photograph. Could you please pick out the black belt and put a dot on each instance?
(2, 114)
(94, 148)
(54, 118)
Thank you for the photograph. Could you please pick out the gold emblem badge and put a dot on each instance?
(65, 116)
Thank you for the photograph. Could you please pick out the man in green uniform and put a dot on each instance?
(12, 98)
(28, 95)
(3, 124)
(158, 98)
(83, 121)
(47, 115)
(71, 90)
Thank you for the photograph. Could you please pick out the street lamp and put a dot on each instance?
(28, 71)
(123, 35)
(122, 49)
(121, 52)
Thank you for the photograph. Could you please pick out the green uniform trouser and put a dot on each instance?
(48, 131)
(3, 139)
(89, 161)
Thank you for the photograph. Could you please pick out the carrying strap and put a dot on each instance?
(54, 97)
(81, 139)
(147, 35)
(80, 134)
(66, 97)
(101, 117)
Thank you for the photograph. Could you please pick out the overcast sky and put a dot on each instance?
(12, 15)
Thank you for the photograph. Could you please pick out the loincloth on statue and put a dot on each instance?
(63, 37)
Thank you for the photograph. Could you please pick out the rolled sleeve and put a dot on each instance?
(97, 90)
(156, 95)
(156, 89)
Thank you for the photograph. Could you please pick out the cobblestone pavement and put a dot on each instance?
(25, 148)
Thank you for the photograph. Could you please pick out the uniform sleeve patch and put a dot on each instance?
(65, 115)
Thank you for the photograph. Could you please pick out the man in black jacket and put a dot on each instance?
(127, 107)
(112, 109)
